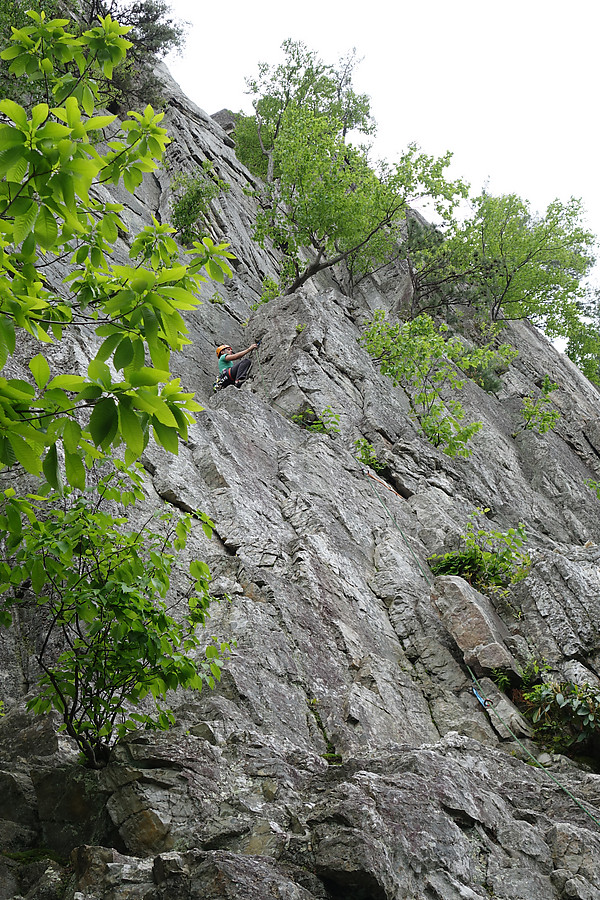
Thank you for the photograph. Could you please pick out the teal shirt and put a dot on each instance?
(223, 364)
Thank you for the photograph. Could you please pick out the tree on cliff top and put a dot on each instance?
(506, 262)
(327, 198)
(301, 80)
(322, 195)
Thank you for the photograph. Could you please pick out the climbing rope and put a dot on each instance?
(489, 705)
(478, 691)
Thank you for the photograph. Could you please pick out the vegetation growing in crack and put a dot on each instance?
(270, 290)
(325, 422)
(365, 453)
(593, 486)
(565, 715)
(488, 559)
(190, 206)
(419, 358)
(538, 414)
(330, 756)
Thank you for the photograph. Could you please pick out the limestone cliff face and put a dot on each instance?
(348, 651)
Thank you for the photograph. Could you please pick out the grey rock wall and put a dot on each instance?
(348, 651)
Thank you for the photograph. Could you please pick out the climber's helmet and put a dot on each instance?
(221, 348)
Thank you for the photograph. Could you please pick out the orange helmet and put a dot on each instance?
(222, 347)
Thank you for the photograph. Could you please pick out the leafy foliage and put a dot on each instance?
(331, 756)
(366, 454)
(593, 486)
(511, 262)
(326, 422)
(419, 357)
(108, 639)
(270, 291)
(329, 199)
(538, 415)
(565, 714)
(438, 281)
(583, 338)
(13, 14)
(486, 558)
(322, 194)
(532, 672)
(304, 81)
(50, 162)
(191, 198)
(153, 33)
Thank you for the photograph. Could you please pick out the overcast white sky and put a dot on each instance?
(510, 87)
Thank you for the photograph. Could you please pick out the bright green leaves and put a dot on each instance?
(40, 370)
(131, 428)
(487, 558)
(566, 714)
(15, 113)
(525, 265)
(418, 357)
(102, 588)
(104, 422)
(50, 159)
(328, 197)
(539, 414)
(45, 229)
(304, 81)
(322, 192)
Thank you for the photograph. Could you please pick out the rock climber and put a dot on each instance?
(233, 367)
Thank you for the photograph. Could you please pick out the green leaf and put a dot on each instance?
(71, 436)
(46, 229)
(40, 370)
(214, 271)
(7, 339)
(11, 158)
(104, 422)
(87, 100)
(25, 454)
(166, 437)
(14, 112)
(50, 469)
(75, 470)
(146, 377)
(123, 354)
(98, 371)
(108, 345)
(24, 222)
(131, 428)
